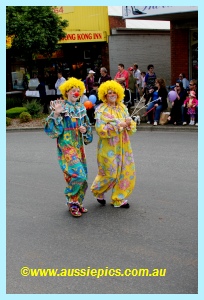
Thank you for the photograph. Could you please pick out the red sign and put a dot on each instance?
(83, 36)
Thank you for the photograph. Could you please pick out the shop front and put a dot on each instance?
(84, 47)
(83, 51)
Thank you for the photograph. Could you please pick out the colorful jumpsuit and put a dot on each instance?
(70, 149)
(116, 168)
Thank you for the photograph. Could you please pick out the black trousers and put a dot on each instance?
(147, 95)
(90, 114)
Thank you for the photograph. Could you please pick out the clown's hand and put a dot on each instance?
(82, 129)
(128, 121)
(57, 106)
(123, 124)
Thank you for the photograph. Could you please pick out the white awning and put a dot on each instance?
(141, 24)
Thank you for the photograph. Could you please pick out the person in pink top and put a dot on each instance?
(191, 103)
(122, 75)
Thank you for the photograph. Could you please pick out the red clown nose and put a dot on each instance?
(76, 94)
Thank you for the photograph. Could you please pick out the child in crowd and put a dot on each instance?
(191, 103)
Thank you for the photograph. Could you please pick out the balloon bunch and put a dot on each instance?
(90, 103)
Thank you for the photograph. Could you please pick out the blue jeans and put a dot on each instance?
(157, 112)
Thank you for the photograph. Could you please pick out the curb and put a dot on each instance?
(167, 128)
(25, 129)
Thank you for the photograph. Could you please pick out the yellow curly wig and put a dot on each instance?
(110, 85)
(69, 84)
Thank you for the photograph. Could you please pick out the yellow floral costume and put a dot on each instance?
(116, 168)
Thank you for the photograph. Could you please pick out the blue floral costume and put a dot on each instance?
(70, 148)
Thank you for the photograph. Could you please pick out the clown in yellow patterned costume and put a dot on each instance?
(116, 168)
(69, 124)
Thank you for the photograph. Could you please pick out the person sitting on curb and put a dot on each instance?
(175, 115)
(159, 101)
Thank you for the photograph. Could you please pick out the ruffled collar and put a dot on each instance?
(108, 112)
(118, 107)
(74, 110)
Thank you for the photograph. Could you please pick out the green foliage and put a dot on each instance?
(13, 102)
(34, 29)
(25, 117)
(34, 107)
(8, 121)
(15, 112)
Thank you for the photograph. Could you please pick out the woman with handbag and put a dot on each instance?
(158, 102)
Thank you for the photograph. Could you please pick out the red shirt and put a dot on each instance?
(124, 74)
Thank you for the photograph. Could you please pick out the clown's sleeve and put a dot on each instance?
(107, 129)
(132, 128)
(53, 126)
(88, 136)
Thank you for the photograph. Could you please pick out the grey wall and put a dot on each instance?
(143, 49)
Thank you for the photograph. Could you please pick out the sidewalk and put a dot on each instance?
(142, 127)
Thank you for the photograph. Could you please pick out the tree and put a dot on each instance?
(34, 30)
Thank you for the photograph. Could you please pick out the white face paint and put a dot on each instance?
(111, 97)
(73, 94)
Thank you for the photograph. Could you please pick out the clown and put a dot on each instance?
(69, 124)
(116, 168)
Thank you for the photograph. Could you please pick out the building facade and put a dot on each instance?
(183, 34)
(184, 48)
(144, 47)
(94, 39)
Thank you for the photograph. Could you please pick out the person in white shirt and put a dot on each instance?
(59, 81)
(143, 74)
(137, 75)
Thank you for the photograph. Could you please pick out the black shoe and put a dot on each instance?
(127, 205)
(102, 201)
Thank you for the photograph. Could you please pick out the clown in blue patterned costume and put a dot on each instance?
(69, 124)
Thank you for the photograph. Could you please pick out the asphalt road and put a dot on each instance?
(159, 230)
